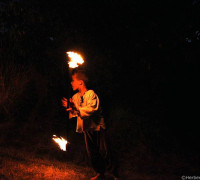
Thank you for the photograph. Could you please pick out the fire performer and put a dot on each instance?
(85, 106)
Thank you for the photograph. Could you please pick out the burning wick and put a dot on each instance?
(61, 142)
(75, 59)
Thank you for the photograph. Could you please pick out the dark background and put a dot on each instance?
(142, 57)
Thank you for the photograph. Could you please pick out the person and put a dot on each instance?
(85, 105)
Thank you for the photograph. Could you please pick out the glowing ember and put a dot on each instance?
(61, 142)
(75, 59)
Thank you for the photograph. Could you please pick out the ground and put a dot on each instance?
(23, 165)
(29, 154)
(19, 164)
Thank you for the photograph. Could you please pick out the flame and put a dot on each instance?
(75, 59)
(61, 142)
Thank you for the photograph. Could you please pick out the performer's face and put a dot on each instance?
(75, 83)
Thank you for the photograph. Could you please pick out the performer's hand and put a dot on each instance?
(64, 102)
(72, 105)
(69, 109)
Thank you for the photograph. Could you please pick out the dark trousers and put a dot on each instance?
(99, 152)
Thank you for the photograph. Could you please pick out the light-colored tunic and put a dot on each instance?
(90, 114)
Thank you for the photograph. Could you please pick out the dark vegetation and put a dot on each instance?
(143, 61)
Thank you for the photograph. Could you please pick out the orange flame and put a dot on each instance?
(61, 142)
(75, 59)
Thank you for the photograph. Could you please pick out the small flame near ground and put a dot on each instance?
(62, 142)
(75, 59)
